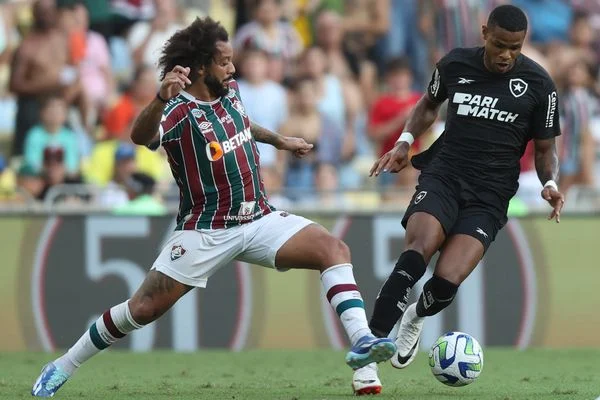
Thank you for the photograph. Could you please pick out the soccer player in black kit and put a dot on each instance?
(498, 99)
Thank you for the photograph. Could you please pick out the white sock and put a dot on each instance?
(113, 325)
(411, 315)
(343, 295)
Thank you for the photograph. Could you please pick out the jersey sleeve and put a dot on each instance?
(545, 123)
(437, 90)
(170, 124)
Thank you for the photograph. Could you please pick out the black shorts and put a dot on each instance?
(459, 208)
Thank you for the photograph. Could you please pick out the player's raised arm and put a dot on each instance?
(546, 165)
(146, 126)
(298, 146)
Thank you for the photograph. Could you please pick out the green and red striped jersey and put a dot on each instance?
(214, 160)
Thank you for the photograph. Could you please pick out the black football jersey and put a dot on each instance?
(490, 119)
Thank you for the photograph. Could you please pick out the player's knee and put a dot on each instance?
(438, 294)
(421, 245)
(333, 251)
(144, 311)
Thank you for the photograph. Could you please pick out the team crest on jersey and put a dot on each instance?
(239, 107)
(518, 87)
(231, 93)
(177, 251)
(198, 113)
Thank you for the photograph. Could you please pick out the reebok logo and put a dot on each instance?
(464, 81)
(481, 232)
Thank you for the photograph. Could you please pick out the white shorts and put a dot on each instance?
(191, 257)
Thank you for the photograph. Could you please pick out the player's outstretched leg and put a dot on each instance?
(156, 295)
(315, 248)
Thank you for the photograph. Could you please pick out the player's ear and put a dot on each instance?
(484, 31)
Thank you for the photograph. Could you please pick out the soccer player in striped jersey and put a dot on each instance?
(224, 214)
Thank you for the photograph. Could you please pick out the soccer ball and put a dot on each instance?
(456, 359)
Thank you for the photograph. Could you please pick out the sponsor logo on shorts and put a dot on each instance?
(177, 251)
(420, 196)
(284, 214)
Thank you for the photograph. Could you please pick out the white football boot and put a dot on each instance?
(408, 338)
(366, 381)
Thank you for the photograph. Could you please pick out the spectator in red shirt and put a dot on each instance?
(388, 116)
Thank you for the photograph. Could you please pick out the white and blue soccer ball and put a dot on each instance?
(456, 359)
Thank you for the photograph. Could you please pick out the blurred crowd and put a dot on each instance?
(342, 74)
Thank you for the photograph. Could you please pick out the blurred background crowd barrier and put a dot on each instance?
(536, 286)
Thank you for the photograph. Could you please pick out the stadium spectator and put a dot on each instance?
(121, 113)
(578, 105)
(266, 104)
(404, 39)
(117, 124)
(336, 104)
(114, 194)
(388, 116)
(146, 39)
(54, 173)
(269, 33)
(52, 132)
(7, 181)
(449, 24)
(40, 67)
(549, 19)
(94, 62)
(143, 200)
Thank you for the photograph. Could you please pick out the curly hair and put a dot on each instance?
(192, 47)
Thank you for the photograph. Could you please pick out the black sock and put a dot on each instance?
(393, 296)
(437, 294)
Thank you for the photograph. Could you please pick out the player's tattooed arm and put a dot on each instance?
(546, 165)
(145, 127)
(546, 160)
(264, 135)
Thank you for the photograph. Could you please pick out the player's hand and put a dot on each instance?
(297, 146)
(556, 200)
(174, 82)
(392, 161)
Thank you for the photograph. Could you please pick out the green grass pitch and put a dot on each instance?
(296, 375)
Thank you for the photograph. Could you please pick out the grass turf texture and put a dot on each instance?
(507, 375)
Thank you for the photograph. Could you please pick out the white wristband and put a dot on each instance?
(551, 184)
(406, 137)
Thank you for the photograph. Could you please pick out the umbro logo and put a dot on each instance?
(481, 232)
(465, 81)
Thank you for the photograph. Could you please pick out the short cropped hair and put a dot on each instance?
(508, 17)
(193, 47)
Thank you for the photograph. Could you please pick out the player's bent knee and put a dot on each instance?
(438, 294)
(337, 252)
